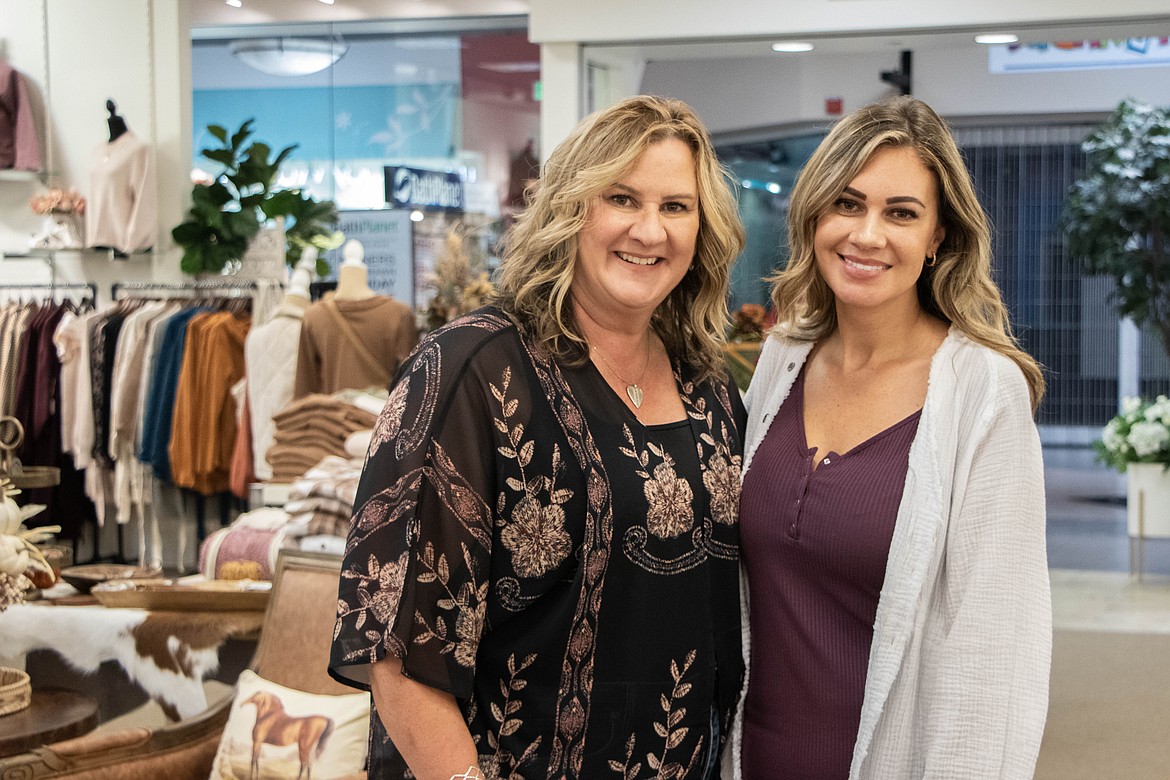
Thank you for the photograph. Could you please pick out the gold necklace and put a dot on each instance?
(632, 390)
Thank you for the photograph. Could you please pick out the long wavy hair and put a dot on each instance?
(959, 288)
(540, 249)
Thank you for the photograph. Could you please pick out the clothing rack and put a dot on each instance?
(53, 287)
(204, 288)
(224, 289)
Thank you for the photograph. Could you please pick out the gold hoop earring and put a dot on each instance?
(932, 260)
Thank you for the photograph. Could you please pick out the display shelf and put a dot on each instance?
(8, 174)
(49, 255)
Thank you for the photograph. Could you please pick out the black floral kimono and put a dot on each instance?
(568, 574)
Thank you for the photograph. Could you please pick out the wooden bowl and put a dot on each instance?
(85, 577)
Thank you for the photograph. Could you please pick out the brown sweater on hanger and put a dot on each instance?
(328, 361)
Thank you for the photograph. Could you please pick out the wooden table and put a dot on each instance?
(53, 715)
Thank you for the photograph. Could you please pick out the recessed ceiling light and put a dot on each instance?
(234, 3)
(997, 38)
(327, 2)
(790, 46)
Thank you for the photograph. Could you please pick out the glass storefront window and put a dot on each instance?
(766, 171)
(459, 103)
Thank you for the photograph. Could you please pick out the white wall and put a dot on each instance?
(742, 94)
(617, 21)
(214, 13)
(76, 54)
(571, 25)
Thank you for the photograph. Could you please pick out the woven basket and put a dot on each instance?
(15, 690)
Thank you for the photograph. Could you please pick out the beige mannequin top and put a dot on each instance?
(353, 276)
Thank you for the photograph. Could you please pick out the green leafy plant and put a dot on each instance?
(228, 212)
(1117, 215)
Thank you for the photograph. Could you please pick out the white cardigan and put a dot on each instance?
(957, 685)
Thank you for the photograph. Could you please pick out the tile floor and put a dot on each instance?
(1089, 552)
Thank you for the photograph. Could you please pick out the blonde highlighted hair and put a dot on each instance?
(540, 250)
(958, 289)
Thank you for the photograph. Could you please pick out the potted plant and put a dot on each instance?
(1117, 215)
(1117, 219)
(227, 212)
(1137, 442)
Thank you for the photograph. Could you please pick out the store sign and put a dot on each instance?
(386, 238)
(414, 188)
(1079, 55)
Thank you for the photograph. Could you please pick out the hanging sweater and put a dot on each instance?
(121, 211)
(19, 146)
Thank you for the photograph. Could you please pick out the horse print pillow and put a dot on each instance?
(277, 732)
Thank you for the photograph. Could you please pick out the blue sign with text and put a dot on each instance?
(415, 188)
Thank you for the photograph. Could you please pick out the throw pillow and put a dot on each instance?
(274, 731)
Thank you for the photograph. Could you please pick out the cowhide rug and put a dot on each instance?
(167, 654)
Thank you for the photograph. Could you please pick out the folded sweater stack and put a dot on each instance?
(316, 426)
(321, 502)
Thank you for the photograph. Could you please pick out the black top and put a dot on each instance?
(568, 574)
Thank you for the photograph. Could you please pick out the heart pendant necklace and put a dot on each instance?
(632, 389)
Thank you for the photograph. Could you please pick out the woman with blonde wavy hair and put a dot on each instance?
(898, 621)
(546, 542)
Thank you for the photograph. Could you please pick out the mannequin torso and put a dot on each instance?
(116, 123)
(353, 276)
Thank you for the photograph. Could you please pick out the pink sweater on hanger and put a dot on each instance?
(19, 146)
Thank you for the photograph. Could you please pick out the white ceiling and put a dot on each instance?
(208, 14)
(865, 43)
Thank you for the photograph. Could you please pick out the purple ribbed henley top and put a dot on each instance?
(815, 544)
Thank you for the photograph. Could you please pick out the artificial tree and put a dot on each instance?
(1117, 215)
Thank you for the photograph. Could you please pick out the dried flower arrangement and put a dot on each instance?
(458, 288)
(58, 201)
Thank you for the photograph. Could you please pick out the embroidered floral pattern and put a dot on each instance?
(536, 536)
(500, 763)
(669, 496)
(721, 478)
(535, 532)
(468, 602)
(482, 553)
(379, 592)
(390, 421)
(662, 764)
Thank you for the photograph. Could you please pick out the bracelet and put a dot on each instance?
(472, 773)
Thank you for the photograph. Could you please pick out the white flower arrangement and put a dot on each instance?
(1140, 434)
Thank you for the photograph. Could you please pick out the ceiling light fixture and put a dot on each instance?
(289, 56)
(234, 3)
(996, 38)
(327, 2)
(792, 46)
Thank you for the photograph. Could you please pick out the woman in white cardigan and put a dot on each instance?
(892, 517)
